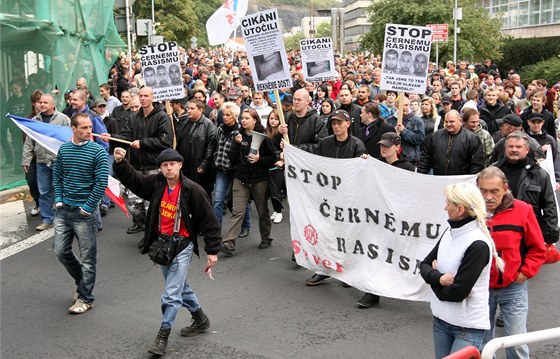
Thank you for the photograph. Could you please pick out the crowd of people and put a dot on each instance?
(193, 159)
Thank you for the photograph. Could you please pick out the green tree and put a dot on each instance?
(479, 38)
(292, 42)
(179, 19)
(324, 29)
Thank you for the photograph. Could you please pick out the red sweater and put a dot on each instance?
(518, 240)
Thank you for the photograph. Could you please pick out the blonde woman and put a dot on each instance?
(458, 270)
(429, 114)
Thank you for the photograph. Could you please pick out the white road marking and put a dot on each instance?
(26, 243)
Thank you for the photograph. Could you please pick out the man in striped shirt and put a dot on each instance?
(80, 177)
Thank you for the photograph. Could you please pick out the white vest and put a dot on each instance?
(473, 311)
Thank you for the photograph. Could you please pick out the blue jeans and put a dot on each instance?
(178, 293)
(223, 182)
(449, 338)
(514, 305)
(46, 191)
(70, 223)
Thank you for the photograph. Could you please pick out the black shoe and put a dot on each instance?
(135, 229)
(265, 243)
(293, 257)
(228, 248)
(346, 285)
(103, 210)
(141, 243)
(160, 344)
(316, 279)
(244, 233)
(500, 321)
(369, 300)
(200, 324)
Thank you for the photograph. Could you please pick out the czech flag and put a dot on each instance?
(52, 137)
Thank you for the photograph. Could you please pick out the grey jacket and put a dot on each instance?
(32, 149)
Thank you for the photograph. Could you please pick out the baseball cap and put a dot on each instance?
(445, 99)
(534, 116)
(234, 93)
(288, 99)
(340, 115)
(511, 119)
(98, 103)
(389, 139)
(183, 101)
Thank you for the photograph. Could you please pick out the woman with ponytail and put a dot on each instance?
(458, 270)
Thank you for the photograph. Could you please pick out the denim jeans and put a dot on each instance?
(221, 187)
(449, 338)
(46, 191)
(31, 178)
(70, 223)
(514, 305)
(178, 293)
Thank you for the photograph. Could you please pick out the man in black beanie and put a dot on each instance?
(179, 211)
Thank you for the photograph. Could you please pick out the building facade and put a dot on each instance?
(527, 18)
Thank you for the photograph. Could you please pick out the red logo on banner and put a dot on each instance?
(310, 234)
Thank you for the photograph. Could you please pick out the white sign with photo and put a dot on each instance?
(161, 70)
(266, 52)
(317, 59)
(406, 54)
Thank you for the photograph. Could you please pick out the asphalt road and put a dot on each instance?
(258, 305)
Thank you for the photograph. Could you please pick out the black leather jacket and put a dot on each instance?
(534, 187)
(458, 154)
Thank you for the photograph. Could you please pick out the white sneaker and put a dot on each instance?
(278, 218)
(43, 226)
(35, 211)
(273, 217)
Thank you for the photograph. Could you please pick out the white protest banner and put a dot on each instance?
(317, 59)
(161, 70)
(405, 58)
(365, 222)
(266, 52)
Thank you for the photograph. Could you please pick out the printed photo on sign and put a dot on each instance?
(406, 56)
(318, 68)
(265, 50)
(269, 67)
(162, 71)
(317, 58)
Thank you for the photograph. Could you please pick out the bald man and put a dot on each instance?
(303, 126)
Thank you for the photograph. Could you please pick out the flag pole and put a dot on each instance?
(113, 139)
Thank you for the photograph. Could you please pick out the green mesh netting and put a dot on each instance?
(49, 44)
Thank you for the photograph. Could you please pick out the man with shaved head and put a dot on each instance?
(452, 150)
(303, 126)
(150, 132)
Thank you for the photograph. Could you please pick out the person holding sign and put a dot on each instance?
(458, 270)
(303, 126)
(339, 145)
(411, 131)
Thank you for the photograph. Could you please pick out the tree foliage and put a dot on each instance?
(522, 52)
(324, 29)
(547, 69)
(179, 19)
(479, 36)
(292, 42)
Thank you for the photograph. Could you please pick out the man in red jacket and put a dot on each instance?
(520, 243)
